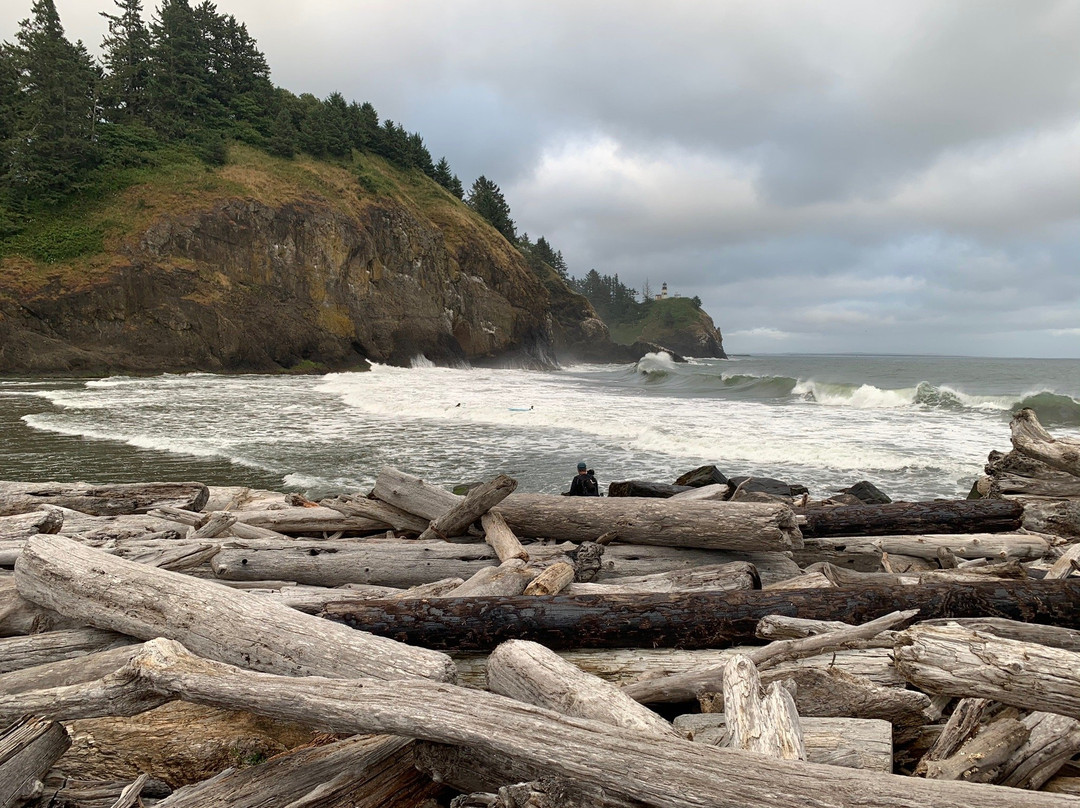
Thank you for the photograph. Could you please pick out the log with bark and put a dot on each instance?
(902, 518)
(105, 592)
(1030, 438)
(101, 500)
(693, 619)
(623, 763)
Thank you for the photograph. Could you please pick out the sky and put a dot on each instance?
(895, 176)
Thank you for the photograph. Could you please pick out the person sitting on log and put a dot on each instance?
(584, 483)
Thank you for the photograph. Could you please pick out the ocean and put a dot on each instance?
(917, 427)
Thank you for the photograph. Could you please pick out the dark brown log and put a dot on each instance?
(644, 488)
(101, 500)
(903, 518)
(696, 619)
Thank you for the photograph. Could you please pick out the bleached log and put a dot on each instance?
(676, 772)
(222, 623)
(622, 666)
(17, 653)
(412, 494)
(701, 524)
(130, 795)
(769, 724)
(1052, 742)
(307, 521)
(379, 511)
(535, 675)
(479, 501)
(981, 757)
(785, 627)
(507, 579)
(809, 580)
(715, 491)
(972, 545)
(501, 538)
(24, 525)
(687, 686)
(1054, 636)
(898, 564)
(239, 529)
(28, 749)
(19, 616)
(552, 580)
(103, 793)
(852, 742)
(965, 720)
(732, 576)
(1066, 564)
(66, 672)
(1030, 438)
(100, 500)
(217, 523)
(955, 661)
(368, 770)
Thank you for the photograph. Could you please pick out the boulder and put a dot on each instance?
(702, 476)
(868, 493)
(644, 488)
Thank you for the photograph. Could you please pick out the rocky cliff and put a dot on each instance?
(677, 323)
(254, 270)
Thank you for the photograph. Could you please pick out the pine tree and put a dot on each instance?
(126, 53)
(179, 55)
(52, 146)
(487, 200)
(284, 139)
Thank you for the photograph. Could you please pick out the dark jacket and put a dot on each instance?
(584, 485)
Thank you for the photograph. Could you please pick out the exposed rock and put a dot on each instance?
(702, 476)
(867, 492)
(644, 488)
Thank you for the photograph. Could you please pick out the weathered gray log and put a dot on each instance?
(681, 687)
(1052, 742)
(955, 661)
(625, 666)
(368, 771)
(101, 500)
(808, 580)
(19, 616)
(507, 579)
(28, 749)
(130, 795)
(217, 523)
(896, 563)
(715, 491)
(120, 526)
(535, 675)
(692, 619)
(710, 577)
(978, 545)
(1054, 636)
(103, 793)
(412, 494)
(981, 757)
(65, 672)
(479, 501)
(1056, 518)
(785, 627)
(852, 742)
(553, 580)
(221, 623)
(676, 772)
(306, 521)
(1011, 569)
(965, 720)
(767, 724)
(702, 524)
(17, 653)
(405, 563)
(1066, 564)
(1063, 785)
(1030, 438)
(379, 511)
(501, 538)
(24, 525)
(239, 529)
(896, 518)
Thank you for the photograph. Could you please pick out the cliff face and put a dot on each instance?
(246, 284)
(676, 323)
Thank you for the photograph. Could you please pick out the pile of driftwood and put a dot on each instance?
(504, 649)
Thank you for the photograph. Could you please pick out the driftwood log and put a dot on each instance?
(144, 602)
(693, 619)
(17, 653)
(28, 749)
(1030, 438)
(101, 500)
(901, 518)
(480, 500)
(24, 525)
(764, 723)
(623, 763)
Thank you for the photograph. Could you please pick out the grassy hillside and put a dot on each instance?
(654, 319)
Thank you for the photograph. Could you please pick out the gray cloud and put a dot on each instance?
(902, 175)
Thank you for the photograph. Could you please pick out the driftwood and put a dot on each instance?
(19, 616)
(501, 538)
(681, 687)
(412, 494)
(24, 525)
(692, 619)
(783, 627)
(965, 720)
(1024, 546)
(101, 500)
(371, 771)
(405, 563)
(1066, 564)
(715, 491)
(17, 653)
(1053, 740)
(622, 763)
(239, 529)
(478, 502)
(222, 623)
(896, 518)
(104, 793)
(981, 757)
(65, 672)
(28, 749)
(1030, 438)
(767, 724)
(1058, 518)
(701, 524)
(852, 742)
(306, 521)
(507, 579)
(535, 675)
(953, 660)
(378, 511)
(552, 580)
(736, 575)
(1053, 636)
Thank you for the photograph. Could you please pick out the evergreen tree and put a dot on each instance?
(52, 146)
(487, 200)
(442, 175)
(126, 53)
(182, 99)
(284, 139)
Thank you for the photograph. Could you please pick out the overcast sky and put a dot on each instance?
(897, 176)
